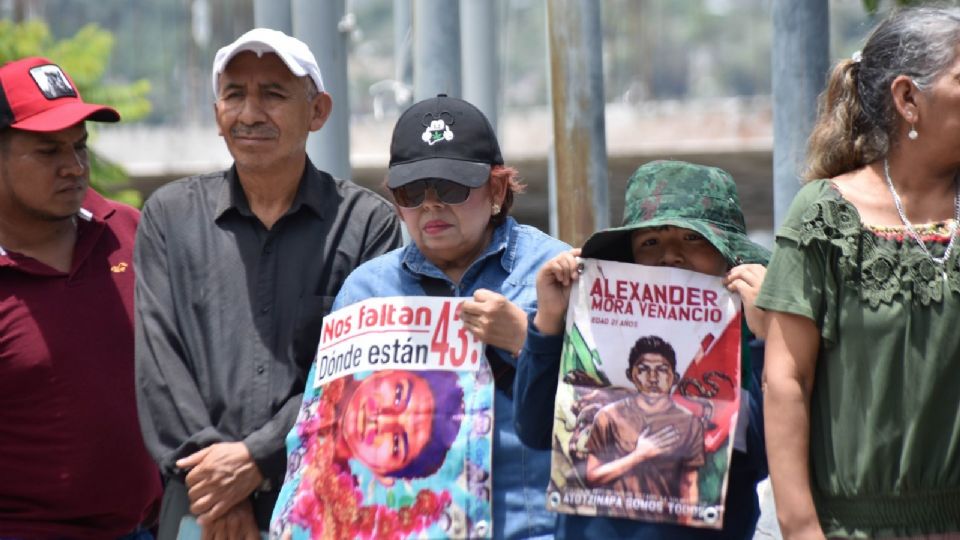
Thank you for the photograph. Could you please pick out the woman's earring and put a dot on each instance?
(495, 209)
(912, 134)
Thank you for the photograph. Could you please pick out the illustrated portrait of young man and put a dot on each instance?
(646, 443)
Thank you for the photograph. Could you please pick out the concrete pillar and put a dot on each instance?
(436, 48)
(481, 66)
(272, 14)
(576, 95)
(316, 23)
(801, 51)
(403, 41)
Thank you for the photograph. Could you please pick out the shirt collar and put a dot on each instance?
(310, 193)
(503, 243)
(95, 208)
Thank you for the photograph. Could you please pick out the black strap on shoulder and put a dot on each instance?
(503, 373)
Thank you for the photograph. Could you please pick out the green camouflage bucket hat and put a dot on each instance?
(696, 197)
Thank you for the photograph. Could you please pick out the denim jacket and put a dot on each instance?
(508, 266)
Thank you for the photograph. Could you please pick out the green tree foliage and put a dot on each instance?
(164, 42)
(85, 57)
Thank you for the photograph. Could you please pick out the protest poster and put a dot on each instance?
(395, 433)
(648, 395)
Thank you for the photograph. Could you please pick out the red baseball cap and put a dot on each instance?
(36, 95)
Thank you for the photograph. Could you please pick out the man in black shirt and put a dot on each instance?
(234, 272)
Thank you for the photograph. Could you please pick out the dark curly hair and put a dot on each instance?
(448, 407)
(651, 344)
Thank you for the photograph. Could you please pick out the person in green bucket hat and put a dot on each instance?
(681, 215)
(685, 195)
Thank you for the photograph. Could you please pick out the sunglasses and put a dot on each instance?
(412, 195)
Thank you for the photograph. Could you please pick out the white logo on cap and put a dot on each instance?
(52, 82)
(437, 131)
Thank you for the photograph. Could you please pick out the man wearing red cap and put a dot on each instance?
(72, 460)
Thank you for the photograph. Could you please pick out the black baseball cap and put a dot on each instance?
(443, 137)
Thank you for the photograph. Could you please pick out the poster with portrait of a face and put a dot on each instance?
(648, 395)
(395, 431)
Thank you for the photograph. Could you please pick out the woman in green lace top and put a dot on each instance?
(862, 382)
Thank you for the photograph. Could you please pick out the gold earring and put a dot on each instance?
(495, 209)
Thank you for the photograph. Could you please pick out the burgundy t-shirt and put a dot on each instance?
(72, 459)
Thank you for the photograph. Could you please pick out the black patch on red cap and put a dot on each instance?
(51, 80)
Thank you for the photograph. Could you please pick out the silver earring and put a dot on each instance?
(495, 209)
(912, 134)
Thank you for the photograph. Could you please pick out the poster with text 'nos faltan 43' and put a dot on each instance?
(648, 395)
(395, 431)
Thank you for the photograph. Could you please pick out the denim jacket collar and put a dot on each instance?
(503, 243)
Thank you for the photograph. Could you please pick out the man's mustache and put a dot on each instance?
(257, 132)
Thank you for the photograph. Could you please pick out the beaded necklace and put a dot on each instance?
(939, 261)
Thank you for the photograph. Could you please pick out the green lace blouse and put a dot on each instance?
(885, 409)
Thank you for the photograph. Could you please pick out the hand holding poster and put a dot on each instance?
(394, 436)
(648, 395)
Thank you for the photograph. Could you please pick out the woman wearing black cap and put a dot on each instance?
(452, 190)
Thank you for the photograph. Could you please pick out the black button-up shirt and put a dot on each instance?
(228, 312)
